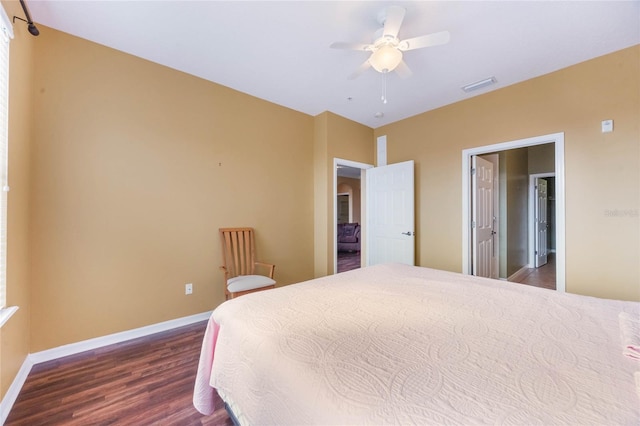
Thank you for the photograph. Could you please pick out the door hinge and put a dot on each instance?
(473, 224)
(473, 171)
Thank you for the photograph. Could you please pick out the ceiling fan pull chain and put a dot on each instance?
(384, 88)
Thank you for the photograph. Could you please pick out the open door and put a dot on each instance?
(390, 214)
(482, 217)
(540, 222)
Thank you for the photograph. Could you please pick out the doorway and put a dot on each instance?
(542, 212)
(558, 233)
(348, 214)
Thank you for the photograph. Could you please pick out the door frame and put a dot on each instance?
(532, 214)
(363, 213)
(558, 140)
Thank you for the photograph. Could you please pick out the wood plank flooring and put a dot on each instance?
(145, 381)
(544, 276)
(348, 260)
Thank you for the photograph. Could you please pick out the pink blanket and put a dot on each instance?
(630, 333)
(203, 392)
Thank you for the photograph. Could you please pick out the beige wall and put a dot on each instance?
(517, 213)
(135, 167)
(602, 170)
(542, 158)
(321, 191)
(14, 335)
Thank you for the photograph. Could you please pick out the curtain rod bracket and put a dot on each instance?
(30, 25)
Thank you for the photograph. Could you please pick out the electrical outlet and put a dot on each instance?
(188, 288)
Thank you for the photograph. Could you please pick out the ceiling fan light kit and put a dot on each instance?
(387, 50)
(385, 59)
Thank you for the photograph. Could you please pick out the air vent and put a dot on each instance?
(479, 84)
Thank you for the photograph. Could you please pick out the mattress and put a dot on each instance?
(398, 344)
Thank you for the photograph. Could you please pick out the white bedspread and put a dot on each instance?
(395, 344)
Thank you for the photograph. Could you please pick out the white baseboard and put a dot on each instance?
(519, 273)
(98, 342)
(13, 391)
(86, 345)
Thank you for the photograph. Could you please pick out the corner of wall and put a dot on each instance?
(320, 187)
(16, 333)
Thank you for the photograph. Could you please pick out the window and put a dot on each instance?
(5, 37)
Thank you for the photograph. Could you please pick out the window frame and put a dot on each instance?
(6, 34)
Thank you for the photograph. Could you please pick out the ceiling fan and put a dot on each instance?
(386, 49)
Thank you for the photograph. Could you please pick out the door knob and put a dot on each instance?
(409, 233)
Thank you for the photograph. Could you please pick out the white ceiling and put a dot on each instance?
(279, 51)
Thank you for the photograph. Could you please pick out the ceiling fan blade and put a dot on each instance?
(350, 46)
(362, 68)
(403, 70)
(428, 40)
(393, 21)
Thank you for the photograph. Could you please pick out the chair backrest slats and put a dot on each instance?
(238, 251)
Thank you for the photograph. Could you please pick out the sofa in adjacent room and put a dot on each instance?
(348, 237)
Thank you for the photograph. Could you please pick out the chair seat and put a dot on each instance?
(248, 282)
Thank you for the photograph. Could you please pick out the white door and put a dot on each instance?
(482, 218)
(540, 222)
(390, 214)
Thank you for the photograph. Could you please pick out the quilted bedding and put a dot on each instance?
(397, 344)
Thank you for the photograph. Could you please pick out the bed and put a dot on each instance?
(398, 344)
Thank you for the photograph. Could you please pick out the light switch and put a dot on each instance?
(607, 126)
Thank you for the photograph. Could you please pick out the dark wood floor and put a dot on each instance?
(348, 260)
(146, 381)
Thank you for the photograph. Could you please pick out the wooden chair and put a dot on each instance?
(239, 264)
